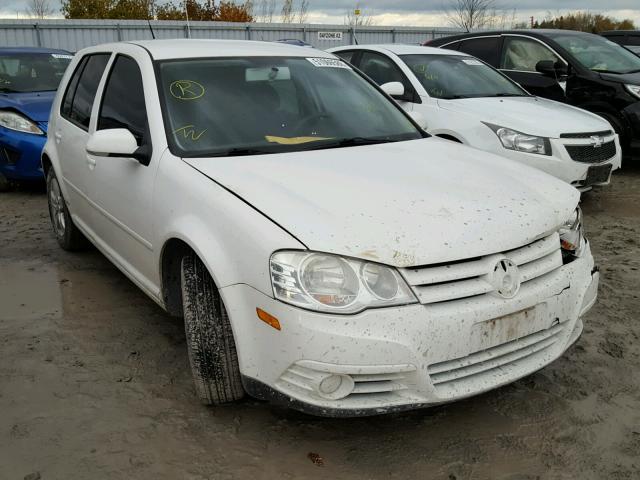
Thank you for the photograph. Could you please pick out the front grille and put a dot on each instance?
(604, 133)
(591, 154)
(456, 374)
(457, 280)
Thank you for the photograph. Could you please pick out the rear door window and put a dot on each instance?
(84, 93)
(485, 48)
(346, 55)
(123, 104)
(523, 54)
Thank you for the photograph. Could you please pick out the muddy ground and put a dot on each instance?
(95, 383)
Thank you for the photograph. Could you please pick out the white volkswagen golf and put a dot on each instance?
(324, 251)
(465, 100)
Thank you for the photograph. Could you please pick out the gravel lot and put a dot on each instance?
(95, 383)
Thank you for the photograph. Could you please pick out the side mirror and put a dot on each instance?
(117, 142)
(419, 119)
(551, 68)
(393, 89)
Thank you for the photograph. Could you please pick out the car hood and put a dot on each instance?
(630, 78)
(35, 105)
(524, 114)
(407, 203)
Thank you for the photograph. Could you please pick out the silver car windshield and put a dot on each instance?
(256, 105)
(458, 76)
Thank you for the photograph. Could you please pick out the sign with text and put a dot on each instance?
(334, 36)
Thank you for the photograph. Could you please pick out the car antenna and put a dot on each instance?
(153, 35)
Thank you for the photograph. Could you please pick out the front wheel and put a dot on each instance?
(210, 343)
(68, 235)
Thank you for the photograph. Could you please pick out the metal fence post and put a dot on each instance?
(352, 35)
(38, 36)
(393, 35)
(248, 27)
(186, 31)
(304, 34)
(119, 32)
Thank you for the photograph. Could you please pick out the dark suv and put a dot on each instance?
(578, 68)
(627, 38)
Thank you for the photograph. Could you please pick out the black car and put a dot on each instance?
(627, 38)
(578, 68)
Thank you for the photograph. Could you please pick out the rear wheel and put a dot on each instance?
(212, 349)
(67, 234)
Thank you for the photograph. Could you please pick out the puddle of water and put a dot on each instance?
(29, 291)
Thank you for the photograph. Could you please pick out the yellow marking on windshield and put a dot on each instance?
(294, 140)
(186, 90)
(189, 131)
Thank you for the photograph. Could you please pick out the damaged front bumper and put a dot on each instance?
(393, 359)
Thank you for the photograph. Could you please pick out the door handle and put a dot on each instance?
(58, 136)
(91, 162)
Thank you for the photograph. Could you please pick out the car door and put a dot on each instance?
(518, 61)
(382, 69)
(485, 48)
(72, 131)
(121, 189)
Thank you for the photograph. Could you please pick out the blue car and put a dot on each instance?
(29, 78)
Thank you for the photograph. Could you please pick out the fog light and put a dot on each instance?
(335, 387)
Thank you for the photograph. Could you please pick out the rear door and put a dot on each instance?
(72, 131)
(518, 60)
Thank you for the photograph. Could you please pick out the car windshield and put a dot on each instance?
(255, 105)
(457, 76)
(599, 54)
(31, 72)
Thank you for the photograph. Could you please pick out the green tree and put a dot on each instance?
(586, 22)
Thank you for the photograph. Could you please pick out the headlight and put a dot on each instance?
(15, 121)
(633, 90)
(521, 142)
(330, 283)
(572, 239)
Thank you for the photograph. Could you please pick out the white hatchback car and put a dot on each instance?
(323, 251)
(463, 99)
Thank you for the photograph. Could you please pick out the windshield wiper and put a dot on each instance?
(350, 142)
(7, 90)
(455, 97)
(232, 152)
(510, 95)
(633, 71)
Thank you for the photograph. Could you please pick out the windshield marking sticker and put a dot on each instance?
(472, 61)
(328, 62)
(60, 55)
(293, 140)
(186, 90)
(189, 131)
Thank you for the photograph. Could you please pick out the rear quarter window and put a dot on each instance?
(81, 92)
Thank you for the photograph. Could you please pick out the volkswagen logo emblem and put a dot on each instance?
(596, 142)
(505, 278)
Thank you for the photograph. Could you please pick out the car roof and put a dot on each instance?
(621, 32)
(401, 49)
(16, 50)
(532, 32)
(191, 48)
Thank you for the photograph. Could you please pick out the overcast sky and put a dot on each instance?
(415, 12)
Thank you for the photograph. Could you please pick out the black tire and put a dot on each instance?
(212, 349)
(4, 183)
(66, 232)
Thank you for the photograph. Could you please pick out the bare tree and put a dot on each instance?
(287, 14)
(266, 11)
(353, 20)
(39, 9)
(470, 14)
(303, 11)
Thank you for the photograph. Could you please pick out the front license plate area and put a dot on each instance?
(597, 174)
(513, 326)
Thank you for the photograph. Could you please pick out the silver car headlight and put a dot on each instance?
(15, 121)
(521, 142)
(572, 240)
(335, 284)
